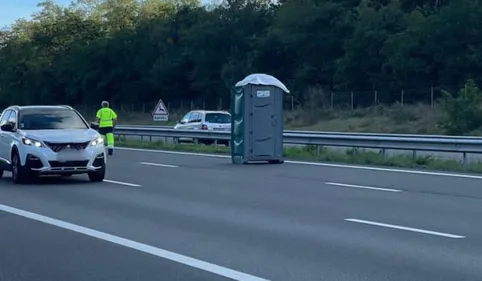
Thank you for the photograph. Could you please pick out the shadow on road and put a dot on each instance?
(51, 181)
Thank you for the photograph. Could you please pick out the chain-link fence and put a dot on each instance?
(314, 99)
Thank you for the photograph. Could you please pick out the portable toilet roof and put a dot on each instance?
(262, 79)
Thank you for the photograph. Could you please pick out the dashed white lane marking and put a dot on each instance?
(199, 264)
(416, 172)
(448, 235)
(363, 187)
(158, 165)
(123, 183)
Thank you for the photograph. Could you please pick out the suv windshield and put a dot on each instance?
(218, 118)
(50, 119)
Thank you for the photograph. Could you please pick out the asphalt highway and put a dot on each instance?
(174, 216)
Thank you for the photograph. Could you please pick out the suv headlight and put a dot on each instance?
(97, 141)
(31, 142)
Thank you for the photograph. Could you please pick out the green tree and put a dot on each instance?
(140, 50)
(362, 66)
(463, 112)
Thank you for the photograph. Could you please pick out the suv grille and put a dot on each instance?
(57, 164)
(74, 145)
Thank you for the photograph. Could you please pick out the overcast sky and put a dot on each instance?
(11, 10)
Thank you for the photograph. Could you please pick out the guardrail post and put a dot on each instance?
(464, 161)
(384, 153)
(150, 138)
(142, 139)
(414, 154)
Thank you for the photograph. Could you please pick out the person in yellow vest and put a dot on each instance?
(107, 118)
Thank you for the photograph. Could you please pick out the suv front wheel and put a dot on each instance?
(98, 175)
(20, 174)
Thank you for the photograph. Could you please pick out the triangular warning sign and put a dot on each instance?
(160, 109)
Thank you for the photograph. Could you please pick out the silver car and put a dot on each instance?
(45, 140)
(204, 120)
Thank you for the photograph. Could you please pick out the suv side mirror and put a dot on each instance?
(180, 122)
(94, 125)
(7, 127)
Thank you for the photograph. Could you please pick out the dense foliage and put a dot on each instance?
(138, 51)
(463, 112)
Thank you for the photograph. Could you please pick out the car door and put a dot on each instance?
(194, 122)
(10, 136)
(4, 144)
(183, 123)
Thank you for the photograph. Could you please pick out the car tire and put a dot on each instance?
(20, 174)
(98, 175)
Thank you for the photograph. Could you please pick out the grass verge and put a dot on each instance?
(409, 119)
(311, 153)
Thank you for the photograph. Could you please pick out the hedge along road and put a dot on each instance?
(194, 217)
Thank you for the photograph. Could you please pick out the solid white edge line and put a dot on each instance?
(448, 235)
(122, 183)
(174, 152)
(158, 165)
(192, 262)
(363, 187)
(315, 164)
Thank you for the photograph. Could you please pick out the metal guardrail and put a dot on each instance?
(432, 143)
(334, 133)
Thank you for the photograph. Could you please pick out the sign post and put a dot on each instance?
(160, 113)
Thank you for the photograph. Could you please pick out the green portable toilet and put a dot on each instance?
(257, 119)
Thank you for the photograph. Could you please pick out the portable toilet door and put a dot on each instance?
(266, 123)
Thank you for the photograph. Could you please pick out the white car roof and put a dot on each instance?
(211, 111)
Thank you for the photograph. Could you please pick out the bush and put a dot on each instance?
(463, 113)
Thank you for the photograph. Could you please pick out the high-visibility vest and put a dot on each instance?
(106, 117)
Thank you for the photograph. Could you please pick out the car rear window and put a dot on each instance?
(220, 118)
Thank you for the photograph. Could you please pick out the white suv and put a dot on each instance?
(45, 140)
(204, 120)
